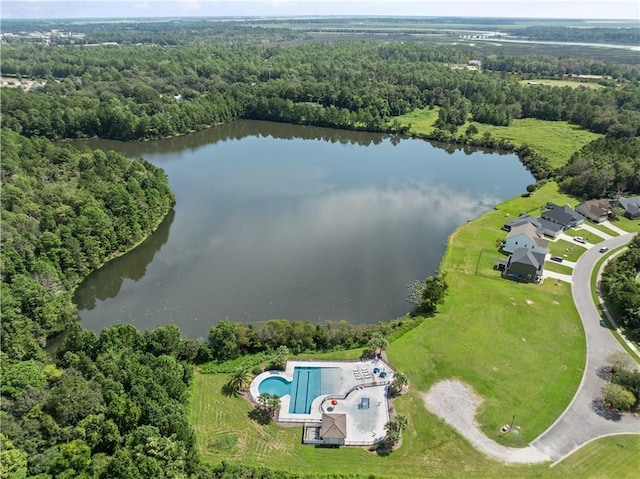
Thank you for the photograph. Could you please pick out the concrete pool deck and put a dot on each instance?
(352, 381)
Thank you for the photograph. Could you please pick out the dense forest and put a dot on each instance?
(621, 289)
(605, 168)
(113, 405)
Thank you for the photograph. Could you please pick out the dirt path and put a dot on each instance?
(456, 403)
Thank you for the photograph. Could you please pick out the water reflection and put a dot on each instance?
(241, 129)
(106, 282)
(281, 221)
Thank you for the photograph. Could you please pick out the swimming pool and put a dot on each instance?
(307, 384)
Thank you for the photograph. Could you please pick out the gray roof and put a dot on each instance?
(523, 220)
(565, 215)
(631, 205)
(526, 256)
(334, 426)
(549, 225)
(528, 229)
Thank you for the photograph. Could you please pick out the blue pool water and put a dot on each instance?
(304, 388)
(275, 385)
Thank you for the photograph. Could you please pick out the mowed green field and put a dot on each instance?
(520, 346)
(560, 83)
(556, 140)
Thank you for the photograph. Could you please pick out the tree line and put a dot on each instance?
(150, 91)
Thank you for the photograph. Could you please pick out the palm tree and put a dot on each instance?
(270, 403)
(377, 343)
(402, 421)
(240, 379)
(281, 357)
(393, 433)
(399, 381)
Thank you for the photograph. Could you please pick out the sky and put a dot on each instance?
(594, 9)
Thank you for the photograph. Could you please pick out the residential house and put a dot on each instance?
(525, 265)
(563, 215)
(631, 206)
(549, 228)
(523, 219)
(526, 236)
(595, 210)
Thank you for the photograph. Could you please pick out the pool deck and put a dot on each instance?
(365, 426)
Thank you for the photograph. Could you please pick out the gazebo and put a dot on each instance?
(334, 429)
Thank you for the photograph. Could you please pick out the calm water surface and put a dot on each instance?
(302, 223)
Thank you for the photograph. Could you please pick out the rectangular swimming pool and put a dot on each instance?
(305, 387)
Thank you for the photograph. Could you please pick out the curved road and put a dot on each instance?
(584, 420)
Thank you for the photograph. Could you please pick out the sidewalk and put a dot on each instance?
(559, 276)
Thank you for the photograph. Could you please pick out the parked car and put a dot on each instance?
(604, 249)
(579, 239)
(557, 259)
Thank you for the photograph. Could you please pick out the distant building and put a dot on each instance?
(631, 206)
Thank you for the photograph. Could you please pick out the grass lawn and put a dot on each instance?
(557, 140)
(615, 457)
(558, 268)
(632, 226)
(484, 333)
(421, 120)
(570, 251)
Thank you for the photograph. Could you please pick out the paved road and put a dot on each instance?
(584, 420)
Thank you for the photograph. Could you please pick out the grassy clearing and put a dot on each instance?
(485, 324)
(561, 83)
(557, 140)
(520, 346)
(422, 120)
(615, 457)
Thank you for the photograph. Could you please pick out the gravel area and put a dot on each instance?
(456, 403)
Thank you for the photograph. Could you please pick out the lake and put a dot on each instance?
(303, 223)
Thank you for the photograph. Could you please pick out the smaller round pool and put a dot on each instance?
(275, 385)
